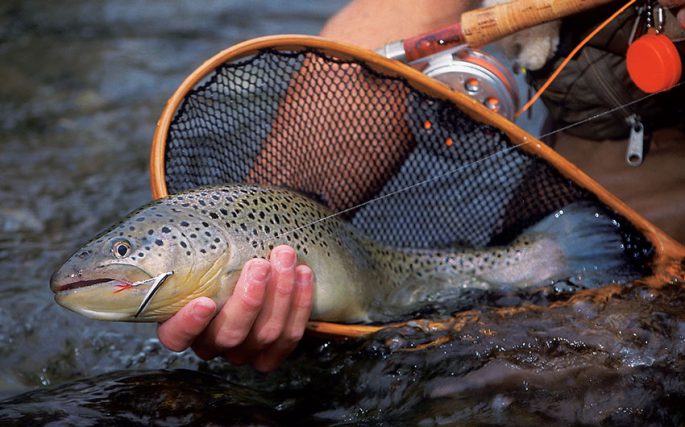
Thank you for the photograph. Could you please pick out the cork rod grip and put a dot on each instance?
(483, 26)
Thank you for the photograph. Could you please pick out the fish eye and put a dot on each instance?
(121, 248)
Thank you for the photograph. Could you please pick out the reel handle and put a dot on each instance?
(482, 26)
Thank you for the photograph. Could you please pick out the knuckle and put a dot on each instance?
(267, 335)
(227, 339)
(250, 303)
(284, 288)
(292, 338)
(303, 304)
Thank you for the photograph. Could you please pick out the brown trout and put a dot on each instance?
(195, 244)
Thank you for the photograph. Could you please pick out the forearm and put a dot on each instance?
(372, 23)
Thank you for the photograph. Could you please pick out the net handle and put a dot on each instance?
(669, 253)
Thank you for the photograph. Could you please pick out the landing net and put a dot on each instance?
(347, 127)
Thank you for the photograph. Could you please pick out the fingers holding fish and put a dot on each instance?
(272, 318)
(179, 332)
(232, 325)
(294, 327)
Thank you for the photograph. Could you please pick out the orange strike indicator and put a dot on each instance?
(653, 63)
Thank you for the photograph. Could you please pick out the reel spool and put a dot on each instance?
(475, 74)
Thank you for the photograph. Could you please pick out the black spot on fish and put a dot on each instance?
(250, 215)
(217, 240)
(151, 232)
(213, 215)
(140, 219)
(193, 235)
(166, 229)
(243, 226)
(202, 202)
(183, 244)
(223, 211)
(184, 224)
(208, 234)
(188, 253)
(159, 242)
(132, 228)
(205, 224)
(140, 254)
(203, 251)
(212, 246)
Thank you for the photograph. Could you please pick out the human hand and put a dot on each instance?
(680, 5)
(260, 324)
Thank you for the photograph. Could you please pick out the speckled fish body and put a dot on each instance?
(198, 242)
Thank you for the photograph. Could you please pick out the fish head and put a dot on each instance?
(118, 274)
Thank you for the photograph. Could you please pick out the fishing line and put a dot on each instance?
(475, 162)
(620, 107)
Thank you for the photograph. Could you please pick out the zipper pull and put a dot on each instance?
(636, 142)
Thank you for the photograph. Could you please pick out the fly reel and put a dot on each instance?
(476, 74)
(472, 72)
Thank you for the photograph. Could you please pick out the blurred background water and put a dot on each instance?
(82, 84)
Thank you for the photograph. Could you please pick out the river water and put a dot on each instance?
(82, 84)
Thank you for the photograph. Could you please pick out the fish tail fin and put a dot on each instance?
(589, 240)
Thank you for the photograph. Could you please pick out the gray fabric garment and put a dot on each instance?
(597, 81)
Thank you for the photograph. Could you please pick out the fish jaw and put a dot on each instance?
(105, 293)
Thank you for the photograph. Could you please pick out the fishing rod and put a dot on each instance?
(480, 27)
(450, 54)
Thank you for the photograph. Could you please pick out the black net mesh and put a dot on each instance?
(345, 134)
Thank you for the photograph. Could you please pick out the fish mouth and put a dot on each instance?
(105, 292)
(70, 278)
(82, 284)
